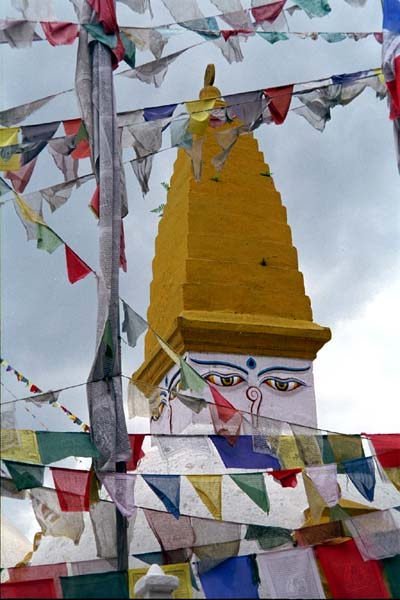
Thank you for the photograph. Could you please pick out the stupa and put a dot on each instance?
(227, 292)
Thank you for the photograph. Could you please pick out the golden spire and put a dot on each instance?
(225, 271)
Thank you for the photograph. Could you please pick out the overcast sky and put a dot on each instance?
(340, 188)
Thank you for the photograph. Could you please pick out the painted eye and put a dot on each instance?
(223, 380)
(283, 385)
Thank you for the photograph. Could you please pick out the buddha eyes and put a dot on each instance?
(283, 385)
(224, 380)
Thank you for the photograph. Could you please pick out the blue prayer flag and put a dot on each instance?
(168, 489)
(361, 473)
(242, 455)
(231, 579)
(391, 15)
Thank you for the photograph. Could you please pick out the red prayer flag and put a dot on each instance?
(105, 10)
(95, 202)
(280, 98)
(43, 588)
(270, 12)
(21, 178)
(348, 575)
(73, 488)
(59, 33)
(136, 441)
(122, 256)
(227, 33)
(286, 477)
(34, 389)
(40, 572)
(71, 127)
(226, 419)
(387, 448)
(76, 268)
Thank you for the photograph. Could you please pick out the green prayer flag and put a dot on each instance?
(112, 584)
(253, 485)
(327, 452)
(272, 36)
(391, 570)
(333, 37)
(47, 239)
(337, 513)
(56, 445)
(130, 50)
(190, 380)
(82, 133)
(269, 537)
(97, 32)
(25, 476)
(314, 8)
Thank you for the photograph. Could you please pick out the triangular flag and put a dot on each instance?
(253, 485)
(361, 473)
(133, 324)
(121, 487)
(209, 489)
(47, 239)
(27, 213)
(315, 500)
(76, 268)
(25, 476)
(226, 419)
(173, 355)
(168, 489)
(95, 202)
(324, 479)
(190, 379)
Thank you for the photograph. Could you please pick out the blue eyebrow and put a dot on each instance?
(218, 362)
(283, 369)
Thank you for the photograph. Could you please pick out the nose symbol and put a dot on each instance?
(255, 396)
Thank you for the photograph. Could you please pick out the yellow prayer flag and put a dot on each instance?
(180, 570)
(20, 445)
(9, 136)
(308, 448)
(288, 453)
(199, 115)
(315, 500)
(27, 213)
(175, 357)
(209, 489)
(393, 473)
(11, 164)
(345, 447)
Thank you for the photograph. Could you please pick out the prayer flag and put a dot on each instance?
(50, 517)
(76, 268)
(8, 489)
(269, 537)
(121, 487)
(173, 355)
(76, 127)
(387, 448)
(253, 485)
(171, 533)
(21, 178)
(269, 12)
(60, 33)
(318, 534)
(391, 569)
(315, 8)
(231, 579)
(95, 202)
(241, 455)
(324, 479)
(47, 239)
(133, 324)
(209, 489)
(73, 488)
(345, 447)
(27, 213)
(391, 15)
(361, 473)
(279, 99)
(376, 534)
(291, 574)
(56, 445)
(315, 500)
(190, 379)
(39, 572)
(227, 420)
(25, 476)
(348, 575)
(159, 112)
(19, 445)
(168, 489)
(135, 441)
(43, 588)
(113, 584)
(215, 542)
(286, 477)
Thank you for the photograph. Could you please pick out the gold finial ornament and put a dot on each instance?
(209, 90)
(209, 75)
